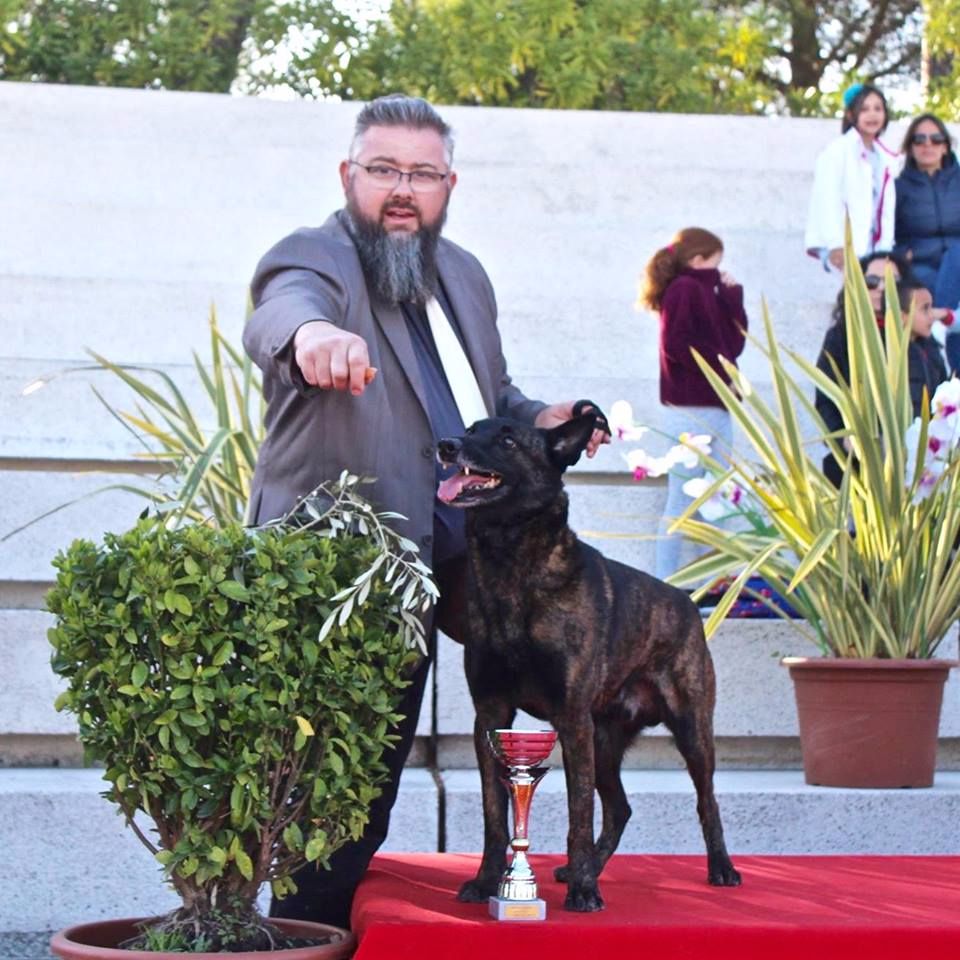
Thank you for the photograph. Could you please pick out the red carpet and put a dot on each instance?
(661, 908)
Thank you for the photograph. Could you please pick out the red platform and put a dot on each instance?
(661, 908)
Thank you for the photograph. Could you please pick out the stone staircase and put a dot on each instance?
(58, 833)
(129, 212)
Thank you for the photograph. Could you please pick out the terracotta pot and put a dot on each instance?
(98, 941)
(870, 722)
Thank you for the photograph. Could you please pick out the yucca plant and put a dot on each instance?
(871, 565)
(205, 460)
(212, 462)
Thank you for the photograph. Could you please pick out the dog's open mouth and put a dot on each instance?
(467, 480)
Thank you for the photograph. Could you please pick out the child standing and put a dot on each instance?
(854, 177)
(700, 309)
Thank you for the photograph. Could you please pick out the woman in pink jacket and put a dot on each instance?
(700, 309)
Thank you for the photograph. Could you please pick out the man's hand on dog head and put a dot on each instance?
(558, 413)
(331, 358)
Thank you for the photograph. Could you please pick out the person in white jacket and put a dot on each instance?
(854, 175)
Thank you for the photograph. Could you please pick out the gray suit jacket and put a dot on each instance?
(312, 434)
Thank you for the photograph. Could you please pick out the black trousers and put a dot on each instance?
(326, 896)
(832, 470)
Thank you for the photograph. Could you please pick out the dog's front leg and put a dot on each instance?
(495, 835)
(576, 737)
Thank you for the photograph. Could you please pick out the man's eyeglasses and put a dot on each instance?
(919, 139)
(386, 177)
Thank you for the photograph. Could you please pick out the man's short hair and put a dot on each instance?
(399, 110)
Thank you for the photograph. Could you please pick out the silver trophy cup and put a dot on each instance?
(520, 752)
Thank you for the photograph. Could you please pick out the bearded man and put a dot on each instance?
(378, 287)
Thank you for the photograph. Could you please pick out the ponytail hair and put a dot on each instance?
(668, 261)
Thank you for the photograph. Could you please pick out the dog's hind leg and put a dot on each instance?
(693, 733)
(495, 804)
(609, 745)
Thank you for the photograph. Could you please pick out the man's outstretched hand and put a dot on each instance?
(331, 358)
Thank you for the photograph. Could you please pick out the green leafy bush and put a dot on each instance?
(240, 685)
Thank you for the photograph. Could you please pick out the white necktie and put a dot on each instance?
(463, 383)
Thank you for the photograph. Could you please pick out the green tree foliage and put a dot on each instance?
(175, 44)
(604, 54)
(679, 55)
(942, 57)
(817, 45)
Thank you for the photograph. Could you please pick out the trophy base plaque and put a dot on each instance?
(503, 909)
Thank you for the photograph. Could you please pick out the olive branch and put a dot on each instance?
(337, 509)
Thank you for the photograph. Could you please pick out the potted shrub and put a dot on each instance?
(871, 567)
(239, 686)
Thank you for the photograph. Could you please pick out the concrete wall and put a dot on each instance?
(125, 214)
(128, 213)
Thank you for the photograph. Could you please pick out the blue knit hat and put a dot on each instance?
(850, 94)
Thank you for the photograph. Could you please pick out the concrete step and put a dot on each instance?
(619, 518)
(765, 812)
(755, 721)
(69, 857)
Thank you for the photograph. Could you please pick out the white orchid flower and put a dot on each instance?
(932, 472)
(643, 465)
(697, 487)
(717, 507)
(946, 399)
(942, 436)
(622, 424)
(691, 448)
(699, 441)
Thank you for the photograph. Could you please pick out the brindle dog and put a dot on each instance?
(594, 647)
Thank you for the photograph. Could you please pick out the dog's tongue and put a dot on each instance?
(451, 487)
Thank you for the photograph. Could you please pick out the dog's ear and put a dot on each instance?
(566, 442)
(588, 406)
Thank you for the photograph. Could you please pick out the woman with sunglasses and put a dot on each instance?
(854, 175)
(928, 218)
(834, 347)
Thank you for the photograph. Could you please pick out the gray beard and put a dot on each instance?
(400, 267)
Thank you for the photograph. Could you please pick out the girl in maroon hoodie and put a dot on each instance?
(700, 309)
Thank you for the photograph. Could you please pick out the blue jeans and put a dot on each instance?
(674, 551)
